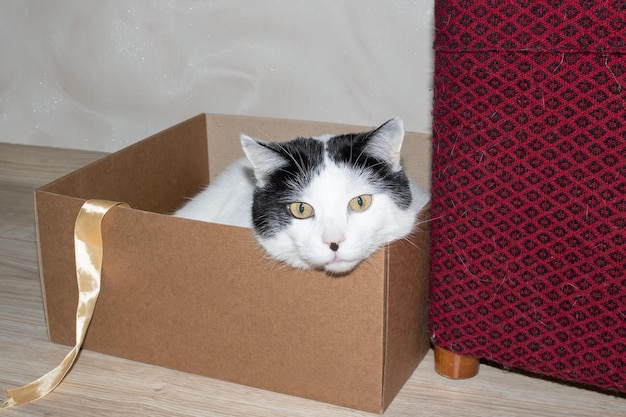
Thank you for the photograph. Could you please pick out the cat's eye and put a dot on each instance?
(361, 203)
(301, 210)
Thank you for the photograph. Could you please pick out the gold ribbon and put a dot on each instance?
(88, 249)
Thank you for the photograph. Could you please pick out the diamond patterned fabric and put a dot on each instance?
(529, 186)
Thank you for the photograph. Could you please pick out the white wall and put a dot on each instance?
(97, 74)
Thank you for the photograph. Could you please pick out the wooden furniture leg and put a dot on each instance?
(455, 366)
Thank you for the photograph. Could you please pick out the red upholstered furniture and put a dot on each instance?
(529, 188)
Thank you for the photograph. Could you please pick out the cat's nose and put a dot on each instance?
(333, 238)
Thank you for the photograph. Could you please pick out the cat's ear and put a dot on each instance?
(386, 142)
(264, 160)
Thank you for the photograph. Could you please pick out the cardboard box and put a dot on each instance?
(203, 298)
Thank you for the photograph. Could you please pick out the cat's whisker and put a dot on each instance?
(410, 242)
(266, 135)
(299, 163)
(351, 149)
(358, 158)
(429, 220)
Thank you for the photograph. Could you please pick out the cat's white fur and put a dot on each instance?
(228, 199)
(305, 242)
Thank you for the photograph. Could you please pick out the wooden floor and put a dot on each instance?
(100, 385)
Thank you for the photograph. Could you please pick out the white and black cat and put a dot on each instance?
(325, 203)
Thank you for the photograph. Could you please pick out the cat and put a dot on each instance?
(324, 203)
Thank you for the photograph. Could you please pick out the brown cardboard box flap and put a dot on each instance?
(203, 298)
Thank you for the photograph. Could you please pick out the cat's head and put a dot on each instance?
(330, 202)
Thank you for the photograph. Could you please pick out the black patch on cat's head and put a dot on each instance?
(353, 151)
(303, 158)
